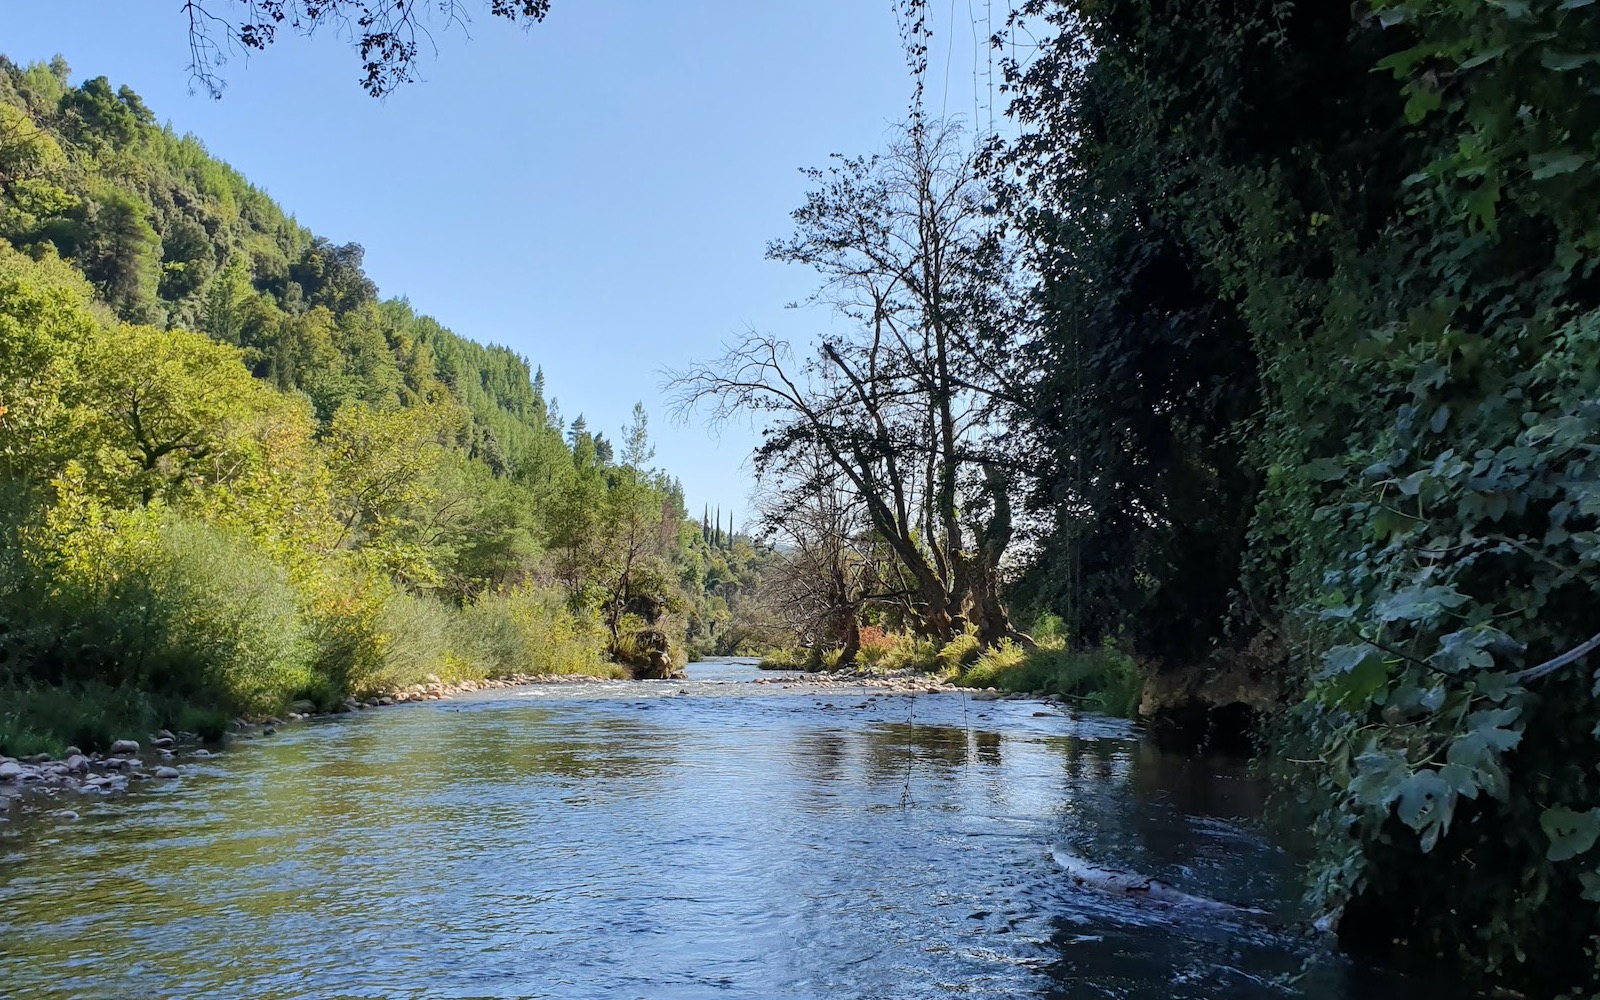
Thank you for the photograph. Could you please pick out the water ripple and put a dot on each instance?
(618, 840)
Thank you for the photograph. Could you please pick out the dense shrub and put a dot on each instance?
(532, 631)
(792, 659)
(155, 601)
(1102, 680)
(962, 651)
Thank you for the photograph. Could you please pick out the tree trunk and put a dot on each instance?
(852, 641)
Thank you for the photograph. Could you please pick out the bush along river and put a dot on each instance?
(714, 837)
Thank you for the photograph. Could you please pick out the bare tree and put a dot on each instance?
(901, 400)
(826, 570)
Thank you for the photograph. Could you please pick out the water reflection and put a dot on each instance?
(625, 842)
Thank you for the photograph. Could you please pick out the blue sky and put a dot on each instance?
(595, 192)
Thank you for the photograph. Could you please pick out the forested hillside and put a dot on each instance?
(235, 477)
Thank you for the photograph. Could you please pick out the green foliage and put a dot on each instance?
(792, 659)
(532, 631)
(48, 718)
(1102, 680)
(913, 653)
(1393, 300)
(152, 601)
(312, 493)
(959, 652)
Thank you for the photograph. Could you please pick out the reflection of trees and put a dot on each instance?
(988, 747)
(1197, 786)
(893, 746)
(888, 751)
(822, 754)
(1099, 761)
(415, 768)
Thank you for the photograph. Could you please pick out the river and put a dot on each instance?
(709, 838)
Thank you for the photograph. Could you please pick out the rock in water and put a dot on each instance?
(165, 772)
(10, 771)
(125, 746)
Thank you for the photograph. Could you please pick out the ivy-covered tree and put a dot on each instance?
(1340, 364)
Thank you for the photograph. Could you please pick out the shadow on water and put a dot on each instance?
(623, 842)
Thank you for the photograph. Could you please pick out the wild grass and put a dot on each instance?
(792, 659)
(1101, 680)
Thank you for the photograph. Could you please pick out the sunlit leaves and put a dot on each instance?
(173, 403)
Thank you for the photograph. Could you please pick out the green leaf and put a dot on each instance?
(1555, 163)
(1461, 779)
(1494, 685)
(1379, 775)
(1482, 203)
(1426, 804)
(1422, 101)
(1343, 659)
(1412, 485)
(1418, 603)
(1490, 724)
(1324, 470)
(1403, 62)
(1571, 833)
(1386, 521)
(1391, 16)
(1488, 55)
(1356, 674)
(1563, 62)
(1464, 649)
(1591, 885)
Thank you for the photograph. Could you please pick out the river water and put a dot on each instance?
(709, 838)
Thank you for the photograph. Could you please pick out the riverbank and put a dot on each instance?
(163, 755)
(1104, 680)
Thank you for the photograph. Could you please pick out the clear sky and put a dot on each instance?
(595, 192)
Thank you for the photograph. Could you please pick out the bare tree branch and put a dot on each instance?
(387, 34)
